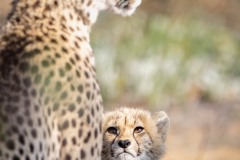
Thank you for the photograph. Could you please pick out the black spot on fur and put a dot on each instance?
(68, 67)
(15, 158)
(95, 133)
(68, 157)
(37, 79)
(34, 69)
(34, 133)
(74, 141)
(86, 140)
(65, 125)
(64, 142)
(45, 63)
(80, 88)
(10, 145)
(80, 112)
(24, 67)
(74, 123)
(20, 120)
(83, 154)
(58, 86)
(79, 100)
(61, 73)
(31, 147)
(86, 74)
(71, 107)
(55, 106)
(80, 133)
(64, 50)
(27, 82)
(63, 95)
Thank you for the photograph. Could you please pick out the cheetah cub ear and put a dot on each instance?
(123, 7)
(162, 121)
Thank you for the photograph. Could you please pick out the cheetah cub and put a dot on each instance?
(134, 134)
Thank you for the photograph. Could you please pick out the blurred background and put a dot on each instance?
(182, 57)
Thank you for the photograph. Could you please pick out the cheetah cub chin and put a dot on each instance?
(134, 134)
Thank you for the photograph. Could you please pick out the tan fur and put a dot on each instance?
(145, 145)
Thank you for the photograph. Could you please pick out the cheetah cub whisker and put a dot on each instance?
(134, 134)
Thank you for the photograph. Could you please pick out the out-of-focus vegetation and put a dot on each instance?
(156, 58)
(177, 53)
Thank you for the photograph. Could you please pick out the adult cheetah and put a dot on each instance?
(50, 102)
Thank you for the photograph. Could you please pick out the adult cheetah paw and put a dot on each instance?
(124, 7)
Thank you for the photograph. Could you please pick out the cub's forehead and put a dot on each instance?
(126, 116)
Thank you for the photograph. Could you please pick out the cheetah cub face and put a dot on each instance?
(134, 134)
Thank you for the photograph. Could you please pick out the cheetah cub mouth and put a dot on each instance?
(134, 134)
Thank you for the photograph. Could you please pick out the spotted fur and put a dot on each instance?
(50, 102)
(134, 134)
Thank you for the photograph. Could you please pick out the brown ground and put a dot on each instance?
(204, 132)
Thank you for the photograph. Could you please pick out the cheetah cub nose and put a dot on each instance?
(124, 143)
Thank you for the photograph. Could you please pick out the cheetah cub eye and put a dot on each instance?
(112, 130)
(138, 129)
